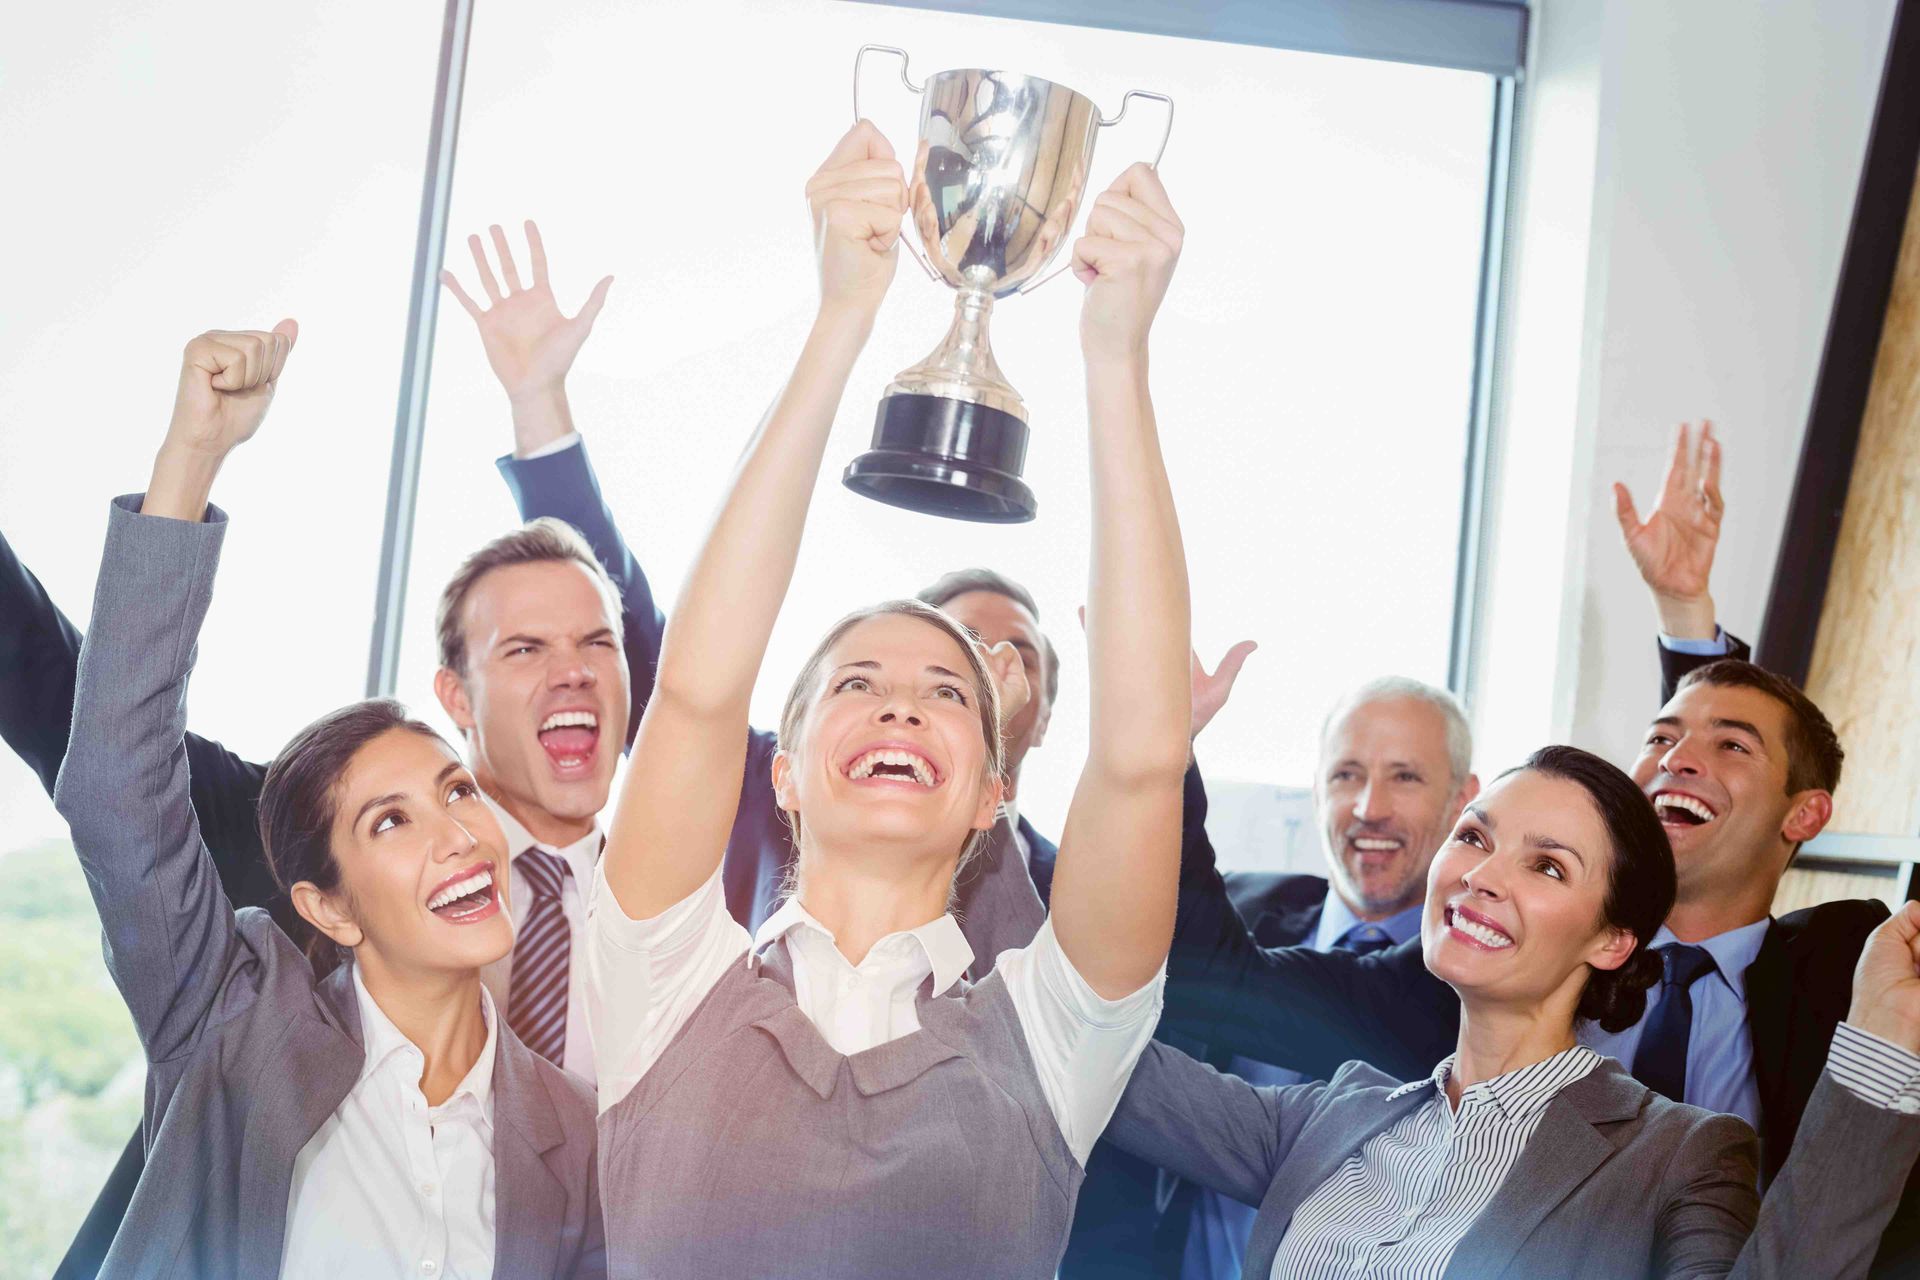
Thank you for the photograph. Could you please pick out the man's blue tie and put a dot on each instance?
(1660, 1063)
(1364, 939)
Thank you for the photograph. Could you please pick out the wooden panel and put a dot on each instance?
(1866, 662)
(1806, 886)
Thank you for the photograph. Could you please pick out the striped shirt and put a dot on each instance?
(1401, 1204)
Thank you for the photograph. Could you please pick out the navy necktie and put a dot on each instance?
(537, 983)
(1660, 1063)
(1364, 940)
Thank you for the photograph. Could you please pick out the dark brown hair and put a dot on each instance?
(299, 800)
(541, 541)
(1813, 749)
(1640, 879)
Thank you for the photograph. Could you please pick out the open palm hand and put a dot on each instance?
(530, 343)
(1673, 549)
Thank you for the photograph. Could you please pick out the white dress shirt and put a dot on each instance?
(390, 1186)
(581, 857)
(646, 977)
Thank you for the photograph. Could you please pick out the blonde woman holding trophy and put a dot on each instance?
(828, 1097)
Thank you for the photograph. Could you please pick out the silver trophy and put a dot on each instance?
(999, 173)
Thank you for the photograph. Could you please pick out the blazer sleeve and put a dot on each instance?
(1294, 1007)
(1674, 666)
(563, 485)
(1823, 1214)
(1212, 1128)
(123, 788)
(39, 658)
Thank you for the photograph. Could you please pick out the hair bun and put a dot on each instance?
(1617, 998)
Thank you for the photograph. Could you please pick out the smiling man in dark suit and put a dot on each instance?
(1741, 766)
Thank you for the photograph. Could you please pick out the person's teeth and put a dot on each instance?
(1687, 804)
(1480, 933)
(570, 720)
(479, 880)
(1367, 844)
(865, 765)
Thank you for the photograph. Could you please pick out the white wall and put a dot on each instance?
(1726, 141)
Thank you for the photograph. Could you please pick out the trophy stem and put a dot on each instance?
(962, 367)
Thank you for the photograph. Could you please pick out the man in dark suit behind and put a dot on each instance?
(1741, 766)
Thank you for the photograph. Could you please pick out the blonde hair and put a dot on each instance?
(987, 698)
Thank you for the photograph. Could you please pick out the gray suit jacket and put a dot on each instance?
(1617, 1181)
(247, 1053)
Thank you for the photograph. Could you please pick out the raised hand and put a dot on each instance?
(1210, 691)
(1886, 982)
(227, 380)
(1673, 549)
(1126, 260)
(856, 199)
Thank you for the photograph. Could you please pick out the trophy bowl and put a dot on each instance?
(997, 178)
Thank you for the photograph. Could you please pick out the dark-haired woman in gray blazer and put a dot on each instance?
(379, 1120)
(1525, 1154)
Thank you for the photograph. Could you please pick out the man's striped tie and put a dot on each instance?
(537, 990)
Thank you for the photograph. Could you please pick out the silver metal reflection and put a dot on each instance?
(997, 177)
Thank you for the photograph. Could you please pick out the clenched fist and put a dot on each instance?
(227, 378)
(1126, 260)
(1886, 982)
(857, 198)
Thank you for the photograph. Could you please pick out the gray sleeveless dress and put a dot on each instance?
(753, 1148)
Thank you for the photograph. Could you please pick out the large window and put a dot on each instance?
(207, 163)
(174, 168)
(1312, 366)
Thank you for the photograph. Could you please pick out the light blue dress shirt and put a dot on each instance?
(1719, 1050)
(1217, 1238)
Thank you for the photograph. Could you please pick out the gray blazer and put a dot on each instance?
(1617, 1181)
(247, 1054)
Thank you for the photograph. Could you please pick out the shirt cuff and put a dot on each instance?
(1714, 648)
(1077, 995)
(565, 442)
(668, 929)
(1874, 1070)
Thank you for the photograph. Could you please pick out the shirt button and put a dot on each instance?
(427, 1188)
(429, 1267)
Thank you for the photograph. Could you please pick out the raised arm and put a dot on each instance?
(683, 786)
(39, 658)
(124, 788)
(1117, 872)
(531, 346)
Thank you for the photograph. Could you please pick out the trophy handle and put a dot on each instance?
(915, 89)
(1103, 122)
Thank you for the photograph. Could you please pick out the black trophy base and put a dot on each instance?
(946, 457)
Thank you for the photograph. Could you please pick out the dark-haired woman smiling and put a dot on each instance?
(379, 1121)
(1526, 1154)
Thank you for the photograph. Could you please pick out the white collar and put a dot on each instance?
(581, 856)
(946, 949)
(383, 1040)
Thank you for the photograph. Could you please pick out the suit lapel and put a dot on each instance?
(322, 1059)
(531, 1203)
(1345, 1126)
(1561, 1154)
(1770, 1008)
